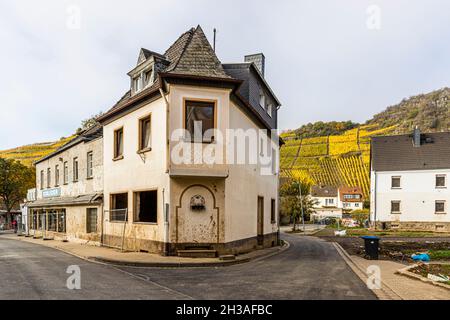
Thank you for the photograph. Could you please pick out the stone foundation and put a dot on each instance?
(151, 246)
(414, 226)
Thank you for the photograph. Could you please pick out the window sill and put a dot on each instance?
(144, 150)
(146, 223)
(89, 178)
(444, 187)
(440, 213)
(396, 213)
(396, 188)
(118, 158)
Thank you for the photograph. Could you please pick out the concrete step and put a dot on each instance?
(197, 253)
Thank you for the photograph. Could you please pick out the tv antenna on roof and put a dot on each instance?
(214, 42)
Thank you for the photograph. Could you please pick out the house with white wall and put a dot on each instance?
(409, 181)
(67, 202)
(325, 202)
(350, 198)
(173, 182)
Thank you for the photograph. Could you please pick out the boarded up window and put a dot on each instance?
(91, 220)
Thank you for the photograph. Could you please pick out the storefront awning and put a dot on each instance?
(87, 199)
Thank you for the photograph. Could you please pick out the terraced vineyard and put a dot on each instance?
(30, 153)
(339, 160)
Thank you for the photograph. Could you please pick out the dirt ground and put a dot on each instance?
(396, 249)
(436, 269)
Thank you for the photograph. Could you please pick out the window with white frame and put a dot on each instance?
(441, 181)
(49, 177)
(439, 206)
(262, 98)
(395, 206)
(395, 182)
(90, 165)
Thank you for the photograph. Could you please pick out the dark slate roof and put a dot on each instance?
(197, 57)
(397, 153)
(89, 134)
(323, 191)
(232, 69)
(149, 53)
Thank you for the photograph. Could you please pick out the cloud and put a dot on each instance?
(322, 60)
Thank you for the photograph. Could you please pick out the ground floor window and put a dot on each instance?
(395, 206)
(48, 219)
(439, 206)
(51, 220)
(61, 220)
(119, 207)
(91, 220)
(146, 206)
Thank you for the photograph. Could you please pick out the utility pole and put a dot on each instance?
(301, 205)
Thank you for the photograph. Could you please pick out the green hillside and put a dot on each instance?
(30, 153)
(343, 159)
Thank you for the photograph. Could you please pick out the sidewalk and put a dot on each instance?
(394, 286)
(139, 259)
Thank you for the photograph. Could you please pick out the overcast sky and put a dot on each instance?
(325, 60)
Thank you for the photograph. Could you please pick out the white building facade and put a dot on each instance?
(409, 182)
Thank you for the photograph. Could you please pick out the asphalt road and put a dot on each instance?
(310, 269)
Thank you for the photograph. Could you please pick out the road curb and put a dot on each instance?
(188, 264)
(122, 263)
(387, 292)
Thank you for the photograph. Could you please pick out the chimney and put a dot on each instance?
(258, 59)
(416, 138)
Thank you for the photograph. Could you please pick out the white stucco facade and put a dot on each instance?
(417, 196)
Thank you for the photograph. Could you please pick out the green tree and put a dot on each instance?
(292, 203)
(89, 123)
(15, 180)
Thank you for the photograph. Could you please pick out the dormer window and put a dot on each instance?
(137, 83)
(269, 109)
(262, 99)
(142, 80)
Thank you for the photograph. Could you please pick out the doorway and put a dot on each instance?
(260, 221)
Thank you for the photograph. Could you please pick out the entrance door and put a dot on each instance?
(260, 221)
